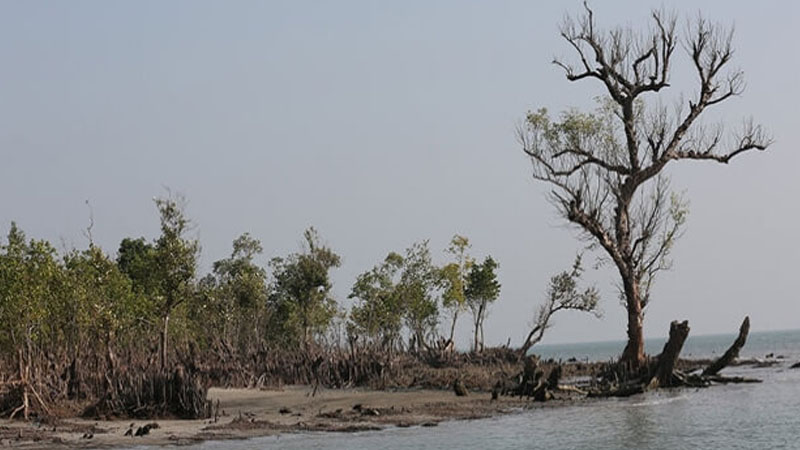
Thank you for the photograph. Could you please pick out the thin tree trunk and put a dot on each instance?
(24, 375)
(475, 340)
(164, 338)
(482, 337)
(530, 341)
(453, 326)
(421, 344)
(479, 327)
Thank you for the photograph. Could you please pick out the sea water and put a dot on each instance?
(759, 345)
(736, 416)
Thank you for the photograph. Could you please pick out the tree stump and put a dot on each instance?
(665, 364)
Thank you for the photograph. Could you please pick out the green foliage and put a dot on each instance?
(64, 306)
(482, 284)
(31, 282)
(136, 258)
(175, 255)
(13, 300)
(596, 132)
(453, 279)
(482, 290)
(418, 283)
(301, 291)
(85, 305)
(104, 303)
(243, 282)
(234, 296)
(378, 313)
(563, 292)
(452, 283)
(164, 272)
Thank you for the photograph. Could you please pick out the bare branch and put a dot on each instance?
(752, 137)
(562, 294)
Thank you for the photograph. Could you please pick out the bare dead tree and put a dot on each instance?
(563, 294)
(606, 168)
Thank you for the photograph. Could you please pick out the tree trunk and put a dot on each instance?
(421, 345)
(633, 355)
(482, 338)
(530, 341)
(164, 338)
(475, 340)
(24, 376)
(479, 314)
(634, 349)
(453, 327)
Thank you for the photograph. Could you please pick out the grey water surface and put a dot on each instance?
(759, 344)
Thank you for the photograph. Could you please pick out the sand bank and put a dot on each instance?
(248, 413)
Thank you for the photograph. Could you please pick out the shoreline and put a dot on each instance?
(248, 413)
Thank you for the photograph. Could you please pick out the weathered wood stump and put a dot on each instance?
(732, 352)
(665, 362)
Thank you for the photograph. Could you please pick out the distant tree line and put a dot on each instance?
(88, 302)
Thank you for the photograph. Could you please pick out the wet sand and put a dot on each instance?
(248, 413)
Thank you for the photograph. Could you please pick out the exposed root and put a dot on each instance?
(154, 394)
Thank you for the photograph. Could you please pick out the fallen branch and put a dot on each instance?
(571, 388)
(619, 391)
(691, 380)
(724, 380)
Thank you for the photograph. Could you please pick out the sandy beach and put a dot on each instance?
(248, 413)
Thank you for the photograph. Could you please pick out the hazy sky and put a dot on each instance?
(380, 124)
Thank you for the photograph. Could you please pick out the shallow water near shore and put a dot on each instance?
(737, 416)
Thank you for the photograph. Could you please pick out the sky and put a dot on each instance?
(380, 124)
